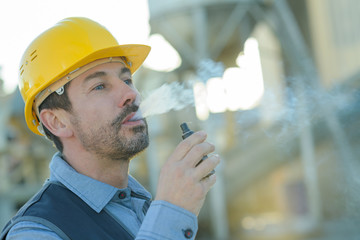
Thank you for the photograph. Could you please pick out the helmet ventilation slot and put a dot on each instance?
(33, 57)
(21, 69)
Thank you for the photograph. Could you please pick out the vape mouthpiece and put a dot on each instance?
(185, 130)
(184, 127)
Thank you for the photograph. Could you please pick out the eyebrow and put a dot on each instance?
(94, 75)
(101, 74)
(125, 70)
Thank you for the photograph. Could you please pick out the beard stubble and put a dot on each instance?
(107, 141)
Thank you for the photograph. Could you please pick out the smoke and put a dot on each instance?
(297, 110)
(173, 96)
(283, 116)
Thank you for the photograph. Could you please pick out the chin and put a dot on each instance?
(140, 141)
(138, 146)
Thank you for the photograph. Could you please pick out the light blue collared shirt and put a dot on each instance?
(163, 220)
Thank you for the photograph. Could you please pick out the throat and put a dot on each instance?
(114, 173)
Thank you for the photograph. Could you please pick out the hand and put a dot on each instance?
(181, 182)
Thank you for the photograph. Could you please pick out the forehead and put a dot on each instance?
(111, 68)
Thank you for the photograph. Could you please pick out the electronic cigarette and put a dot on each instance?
(186, 133)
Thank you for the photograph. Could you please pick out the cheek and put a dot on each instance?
(90, 117)
(90, 111)
(94, 109)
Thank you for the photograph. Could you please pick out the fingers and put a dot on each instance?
(190, 152)
(208, 182)
(186, 145)
(197, 152)
(206, 166)
(184, 182)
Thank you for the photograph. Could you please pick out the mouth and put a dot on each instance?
(133, 118)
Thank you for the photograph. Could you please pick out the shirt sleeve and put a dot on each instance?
(27, 230)
(166, 221)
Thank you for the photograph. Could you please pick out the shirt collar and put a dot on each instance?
(137, 188)
(93, 192)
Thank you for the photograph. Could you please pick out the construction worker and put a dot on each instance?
(76, 82)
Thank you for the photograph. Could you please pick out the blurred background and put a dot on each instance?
(275, 83)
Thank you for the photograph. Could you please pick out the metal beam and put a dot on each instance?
(200, 30)
(307, 67)
(175, 6)
(181, 44)
(281, 20)
(229, 28)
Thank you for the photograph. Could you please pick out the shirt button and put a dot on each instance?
(188, 233)
(122, 195)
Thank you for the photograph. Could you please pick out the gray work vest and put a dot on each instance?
(59, 209)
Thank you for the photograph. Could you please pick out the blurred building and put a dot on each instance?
(287, 132)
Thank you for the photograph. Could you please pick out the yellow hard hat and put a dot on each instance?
(64, 48)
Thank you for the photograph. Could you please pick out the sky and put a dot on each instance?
(23, 20)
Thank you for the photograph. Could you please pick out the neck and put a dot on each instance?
(110, 171)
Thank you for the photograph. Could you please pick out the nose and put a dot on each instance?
(128, 95)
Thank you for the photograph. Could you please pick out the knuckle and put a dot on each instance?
(212, 179)
(217, 159)
(186, 144)
(212, 147)
(200, 134)
(198, 149)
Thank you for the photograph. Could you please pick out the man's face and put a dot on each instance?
(105, 114)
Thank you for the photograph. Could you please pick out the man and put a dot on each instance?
(76, 82)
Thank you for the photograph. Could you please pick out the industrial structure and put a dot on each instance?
(290, 157)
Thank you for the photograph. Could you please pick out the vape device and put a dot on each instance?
(186, 133)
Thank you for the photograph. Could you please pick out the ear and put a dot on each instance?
(56, 121)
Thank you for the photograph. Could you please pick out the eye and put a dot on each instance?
(99, 87)
(128, 81)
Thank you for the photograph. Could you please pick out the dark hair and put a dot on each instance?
(55, 101)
